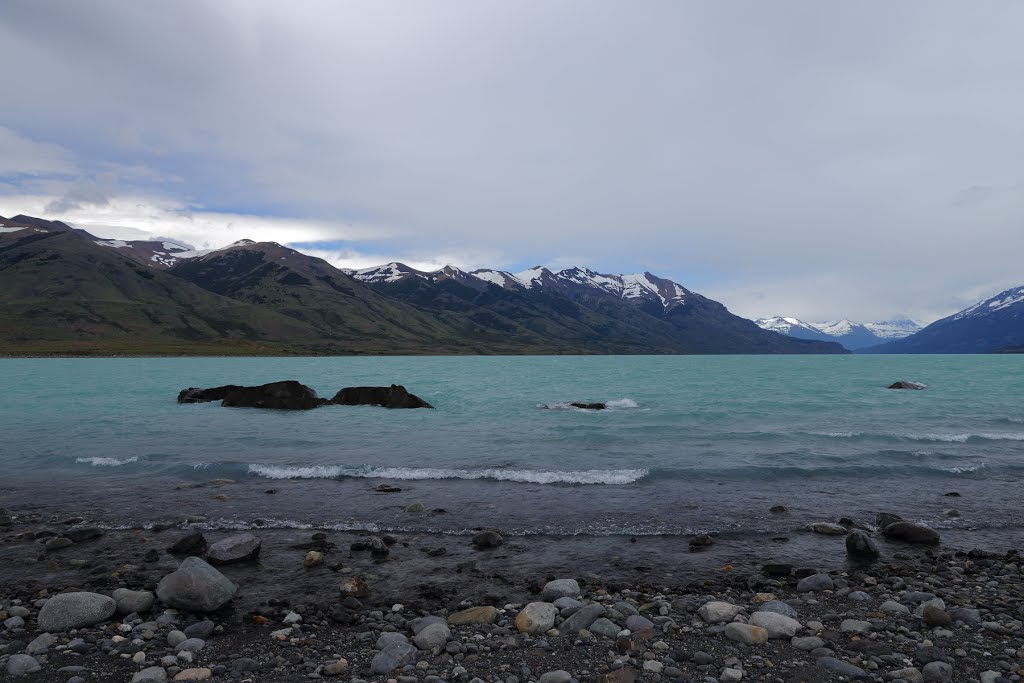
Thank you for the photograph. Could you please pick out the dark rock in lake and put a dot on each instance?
(287, 395)
(701, 542)
(191, 543)
(777, 569)
(83, 533)
(240, 548)
(197, 395)
(910, 532)
(907, 385)
(589, 406)
(859, 545)
(884, 519)
(394, 396)
(488, 539)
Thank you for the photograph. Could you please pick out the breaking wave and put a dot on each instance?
(425, 473)
(107, 462)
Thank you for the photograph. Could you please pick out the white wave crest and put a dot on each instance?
(107, 462)
(425, 473)
(962, 469)
(964, 438)
(614, 404)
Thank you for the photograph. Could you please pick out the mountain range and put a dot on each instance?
(852, 335)
(66, 291)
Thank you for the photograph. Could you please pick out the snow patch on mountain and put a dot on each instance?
(1004, 299)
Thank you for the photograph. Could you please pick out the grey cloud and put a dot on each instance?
(798, 156)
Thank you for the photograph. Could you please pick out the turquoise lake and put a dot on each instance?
(689, 443)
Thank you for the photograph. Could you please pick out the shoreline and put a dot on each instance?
(437, 574)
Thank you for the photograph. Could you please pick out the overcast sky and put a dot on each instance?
(816, 159)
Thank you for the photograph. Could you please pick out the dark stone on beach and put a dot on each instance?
(392, 657)
(936, 616)
(22, 665)
(841, 667)
(394, 396)
(201, 629)
(59, 543)
(129, 601)
(83, 533)
(859, 545)
(910, 532)
(196, 586)
(488, 539)
(937, 672)
(776, 569)
(582, 619)
(907, 385)
(929, 653)
(287, 395)
(240, 548)
(191, 543)
(151, 555)
(197, 395)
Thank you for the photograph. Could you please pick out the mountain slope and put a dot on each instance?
(60, 292)
(990, 326)
(352, 314)
(639, 313)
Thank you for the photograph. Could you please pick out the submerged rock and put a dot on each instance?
(488, 539)
(589, 406)
(860, 545)
(234, 549)
(910, 532)
(394, 396)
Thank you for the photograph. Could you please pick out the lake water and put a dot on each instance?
(689, 443)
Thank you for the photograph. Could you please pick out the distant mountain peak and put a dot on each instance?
(1000, 301)
(851, 334)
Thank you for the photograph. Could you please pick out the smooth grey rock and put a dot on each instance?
(239, 548)
(859, 596)
(777, 625)
(964, 614)
(537, 617)
(21, 665)
(392, 657)
(418, 625)
(911, 533)
(195, 586)
(893, 607)
(855, 626)
(560, 588)
(434, 635)
(635, 622)
(154, 674)
(778, 607)
(13, 623)
(814, 583)
(937, 672)
(41, 644)
(841, 667)
(909, 674)
(66, 611)
(582, 619)
(192, 542)
(604, 627)
(201, 629)
(861, 546)
(192, 645)
(389, 639)
(746, 633)
(717, 612)
(557, 676)
(175, 638)
(129, 601)
(807, 643)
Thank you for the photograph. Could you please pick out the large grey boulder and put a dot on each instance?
(129, 601)
(582, 619)
(195, 586)
(154, 674)
(66, 611)
(41, 644)
(21, 665)
(433, 636)
(237, 548)
(777, 625)
(536, 617)
(860, 546)
(392, 657)
(560, 588)
(814, 583)
(911, 533)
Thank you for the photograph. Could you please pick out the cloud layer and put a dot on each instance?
(813, 159)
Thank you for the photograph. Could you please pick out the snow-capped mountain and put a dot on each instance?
(848, 333)
(993, 325)
(638, 287)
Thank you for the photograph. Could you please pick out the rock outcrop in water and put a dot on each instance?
(394, 396)
(907, 385)
(291, 395)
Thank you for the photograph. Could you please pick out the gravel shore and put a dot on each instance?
(79, 604)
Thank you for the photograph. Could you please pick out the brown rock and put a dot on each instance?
(354, 587)
(200, 674)
(314, 558)
(336, 668)
(474, 615)
(935, 617)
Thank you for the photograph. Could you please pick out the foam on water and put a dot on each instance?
(107, 462)
(613, 404)
(426, 473)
